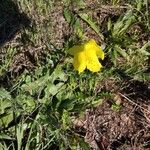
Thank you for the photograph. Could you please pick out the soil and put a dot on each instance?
(126, 128)
(103, 127)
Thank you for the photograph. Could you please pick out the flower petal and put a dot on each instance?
(79, 62)
(91, 45)
(93, 63)
(75, 49)
(86, 55)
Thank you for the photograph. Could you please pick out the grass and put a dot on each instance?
(41, 94)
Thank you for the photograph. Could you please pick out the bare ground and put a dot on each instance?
(103, 128)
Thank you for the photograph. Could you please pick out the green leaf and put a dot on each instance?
(34, 86)
(67, 104)
(20, 131)
(109, 24)
(66, 120)
(58, 74)
(5, 136)
(45, 81)
(5, 120)
(92, 24)
(121, 51)
(84, 145)
(139, 4)
(80, 3)
(96, 103)
(114, 57)
(5, 106)
(4, 94)
(123, 24)
(144, 48)
(78, 143)
(78, 29)
(53, 89)
(116, 107)
(3, 115)
(68, 15)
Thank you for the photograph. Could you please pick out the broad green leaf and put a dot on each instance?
(139, 4)
(5, 106)
(4, 94)
(26, 102)
(53, 89)
(44, 81)
(67, 104)
(68, 93)
(58, 74)
(2, 115)
(31, 87)
(4, 121)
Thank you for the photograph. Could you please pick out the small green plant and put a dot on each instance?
(37, 108)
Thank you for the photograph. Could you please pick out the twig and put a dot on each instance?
(134, 103)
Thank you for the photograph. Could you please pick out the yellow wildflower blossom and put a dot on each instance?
(86, 56)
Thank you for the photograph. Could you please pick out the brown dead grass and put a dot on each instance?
(103, 127)
(128, 128)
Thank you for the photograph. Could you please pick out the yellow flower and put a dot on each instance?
(86, 56)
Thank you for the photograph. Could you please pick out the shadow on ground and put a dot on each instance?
(136, 90)
(11, 20)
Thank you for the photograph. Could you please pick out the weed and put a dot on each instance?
(40, 92)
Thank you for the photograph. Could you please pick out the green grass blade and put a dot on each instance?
(92, 24)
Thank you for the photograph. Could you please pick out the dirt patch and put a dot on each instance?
(137, 90)
(27, 59)
(12, 20)
(105, 128)
(128, 127)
